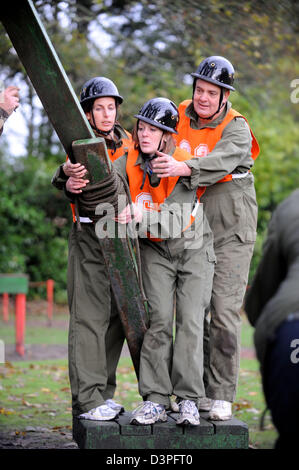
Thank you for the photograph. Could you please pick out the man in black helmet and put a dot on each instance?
(96, 334)
(209, 127)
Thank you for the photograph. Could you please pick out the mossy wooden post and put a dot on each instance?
(5, 307)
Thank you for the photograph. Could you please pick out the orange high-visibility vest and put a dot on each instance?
(199, 142)
(113, 156)
(150, 198)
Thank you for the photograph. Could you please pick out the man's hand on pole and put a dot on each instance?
(165, 165)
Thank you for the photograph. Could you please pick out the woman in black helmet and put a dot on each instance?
(177, 256)
(100, 100)
(95, 333)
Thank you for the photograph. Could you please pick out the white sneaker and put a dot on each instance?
(205, 404)
(100, 413)
(114, 406)
(221, 410)
(188, 413)
(149, 413)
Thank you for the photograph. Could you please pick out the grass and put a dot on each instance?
(36, 394)
(35, 335)
(246, 333)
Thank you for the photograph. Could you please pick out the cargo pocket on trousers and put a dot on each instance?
(246, 236)
(211, 255)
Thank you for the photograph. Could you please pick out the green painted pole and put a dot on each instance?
(46, 72)
(49, 79)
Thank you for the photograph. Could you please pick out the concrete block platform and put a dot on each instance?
(120, 434)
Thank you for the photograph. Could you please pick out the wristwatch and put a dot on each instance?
(3, 114)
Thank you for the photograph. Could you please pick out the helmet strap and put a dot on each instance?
(147, 159)
(160, 143)
(221, 104)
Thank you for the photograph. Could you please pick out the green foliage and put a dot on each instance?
(274, 121)
(152, 49)
(33, 228)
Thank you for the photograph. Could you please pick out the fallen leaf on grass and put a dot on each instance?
(45, 390)
(14, 398)
(19, 385)
(127, 385)
(36, 429)
(6, 412)
(252, 393)
(9, 365)
(32, 405)
(241, 405)
(26, 403)
(253, 410)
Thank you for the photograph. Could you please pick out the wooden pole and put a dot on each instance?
(20, 321)
(5, 304)
(50, 298)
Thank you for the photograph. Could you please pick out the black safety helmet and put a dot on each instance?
(99, 87)
(217, 70)
(160, 112)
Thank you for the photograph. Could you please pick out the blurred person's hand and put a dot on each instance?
(9, 99)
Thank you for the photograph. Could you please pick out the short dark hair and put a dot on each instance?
(88, 105)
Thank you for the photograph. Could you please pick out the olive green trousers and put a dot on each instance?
(171, 361)
(96, 334)
(231, 209)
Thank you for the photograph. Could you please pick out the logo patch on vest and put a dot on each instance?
(201, 150)
(145, 201)
(184, 144)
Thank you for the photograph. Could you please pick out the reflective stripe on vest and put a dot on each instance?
(200, 142)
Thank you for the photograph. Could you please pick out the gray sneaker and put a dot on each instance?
(149, 413)
(188, 413)
(114, 406)
(221, 410)
(205, 404)
(100, 413)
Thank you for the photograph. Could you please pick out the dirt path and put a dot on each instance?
(39, 438)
